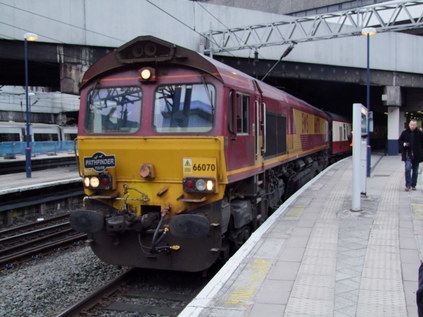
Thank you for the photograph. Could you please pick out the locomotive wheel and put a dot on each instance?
(239, 236)
(225, 253)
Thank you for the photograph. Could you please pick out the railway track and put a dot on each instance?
(140, 292)
(14, 231)
(37, 238)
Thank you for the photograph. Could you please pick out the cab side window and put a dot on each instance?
(242, 114)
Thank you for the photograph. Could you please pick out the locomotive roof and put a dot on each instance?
(338, 117)
(151, 51)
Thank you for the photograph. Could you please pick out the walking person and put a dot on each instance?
(411, 146)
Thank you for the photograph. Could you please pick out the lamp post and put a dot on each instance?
(367, 32)
(28, 37)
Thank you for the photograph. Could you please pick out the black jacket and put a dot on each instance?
(419, 293)
(415, 150)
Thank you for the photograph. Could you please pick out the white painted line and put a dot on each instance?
(204, 298)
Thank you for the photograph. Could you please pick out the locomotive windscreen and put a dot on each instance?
(113, 110)
(184, 108)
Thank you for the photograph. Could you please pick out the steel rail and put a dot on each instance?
(36, 240)
(145, 300)
(17, 229)
(42, 248)
(94, 298)
(33, 232)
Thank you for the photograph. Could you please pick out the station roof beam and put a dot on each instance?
(385, 17)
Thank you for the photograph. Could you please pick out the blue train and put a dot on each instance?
(46, 138)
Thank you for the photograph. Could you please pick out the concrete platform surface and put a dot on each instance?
(18, 182)
(315, 257)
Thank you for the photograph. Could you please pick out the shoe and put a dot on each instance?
(413, 188)
(407, 189)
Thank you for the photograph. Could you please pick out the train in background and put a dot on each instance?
(45, 138)
(16, 131)
(182, 157)
(340, 134)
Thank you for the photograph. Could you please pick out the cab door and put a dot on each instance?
(259, 126)
(241, 140)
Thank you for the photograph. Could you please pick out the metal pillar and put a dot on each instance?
(28, 167)
(369, 165)
(393, 130)
(356, 177)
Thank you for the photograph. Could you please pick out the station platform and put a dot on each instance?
(21, 157)
(18, 182)
(315, 257)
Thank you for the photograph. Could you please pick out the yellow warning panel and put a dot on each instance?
(199, 167)
(417, 210)
(187, 166)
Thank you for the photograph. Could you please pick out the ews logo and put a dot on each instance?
(317, 125)
(304, 123)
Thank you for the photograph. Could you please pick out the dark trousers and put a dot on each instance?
(411, 173)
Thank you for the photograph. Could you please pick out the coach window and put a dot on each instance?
(9, 137)
(345, 132)
(242, 114)
(46, 137)
(113, 110)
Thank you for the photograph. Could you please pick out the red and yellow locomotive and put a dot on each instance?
(182, 157)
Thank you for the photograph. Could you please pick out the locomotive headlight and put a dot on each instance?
(86, 181)
(200, 185)
(146, 74)
(209, 185)
(94, 182)
(100, 181)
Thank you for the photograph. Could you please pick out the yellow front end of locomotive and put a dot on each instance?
(176, 174)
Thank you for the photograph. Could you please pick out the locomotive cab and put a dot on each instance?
(151, 158)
